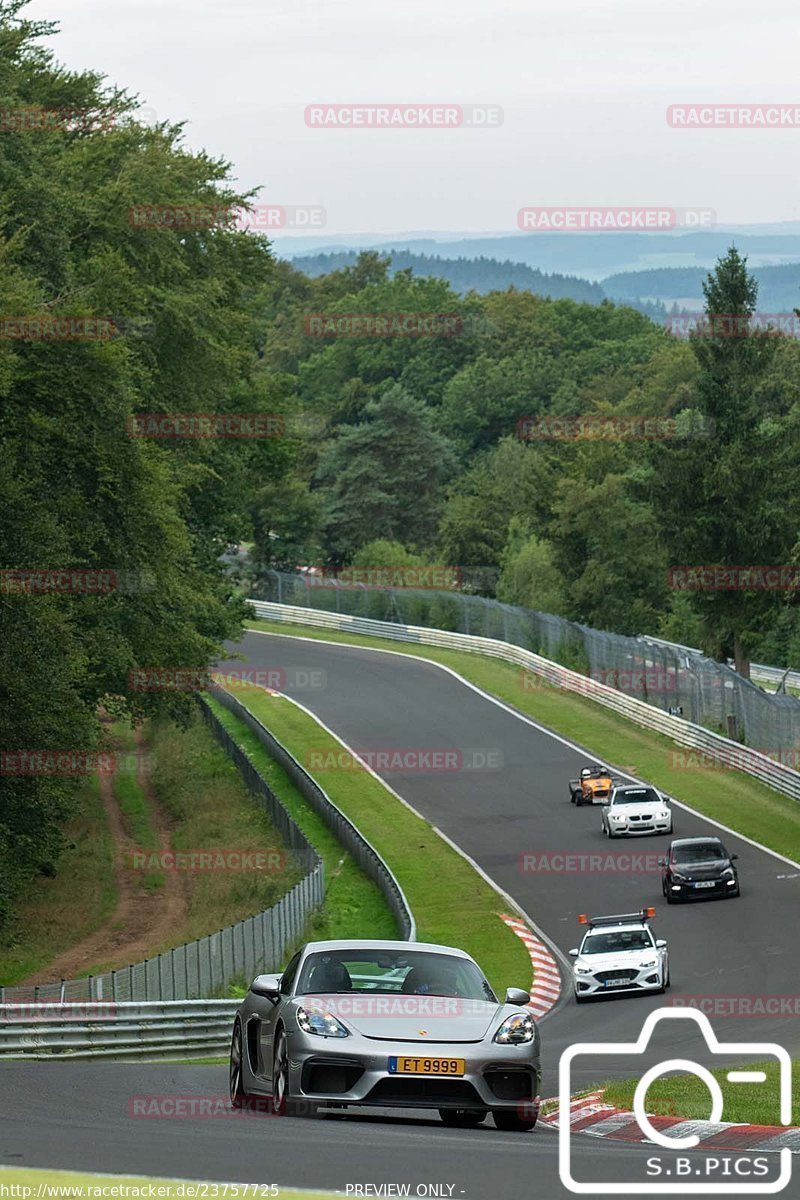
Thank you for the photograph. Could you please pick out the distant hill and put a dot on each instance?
(587, 255)
(778, 287)
(467, 274)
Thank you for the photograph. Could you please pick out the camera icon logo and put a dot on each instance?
(661, 1137)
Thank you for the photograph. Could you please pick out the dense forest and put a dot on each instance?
(385, 447)
(480, 274)
(778, 287)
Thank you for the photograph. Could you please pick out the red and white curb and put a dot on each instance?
(546, 976)
(591, 1115)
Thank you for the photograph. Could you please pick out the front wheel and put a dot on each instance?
(462, 1118)
(280, 1077)
(237, 1092)
(513, 1122)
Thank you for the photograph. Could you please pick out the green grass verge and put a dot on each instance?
(354, 906)
(729, 796)
(461, 910)
(82, 1185)
(137, 815)
(209, 807)
(59, 911)
(687, 1096)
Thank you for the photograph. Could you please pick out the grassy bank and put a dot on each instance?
(208, 807)
(728, 796)
(354, 907)
(687, 1096)
(61, 910)
(461, 909)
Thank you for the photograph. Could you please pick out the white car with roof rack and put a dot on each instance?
(636, 808)
(619, 954)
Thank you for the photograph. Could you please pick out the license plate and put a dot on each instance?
(427, 1066)
(705, 883)
(616, 983)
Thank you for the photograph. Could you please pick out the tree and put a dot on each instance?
(727, 500)
(529, 575)
(384, 477)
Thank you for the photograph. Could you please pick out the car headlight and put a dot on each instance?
(662, 816)
(651, 962)
(322, 1023)
(728, 873)
(516, 1029)
(680, 878)
(618, 816)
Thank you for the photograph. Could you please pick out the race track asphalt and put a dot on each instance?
(75, 1115)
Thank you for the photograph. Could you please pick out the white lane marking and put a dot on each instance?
(529, 721)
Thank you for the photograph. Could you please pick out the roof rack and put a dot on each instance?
(620, 919)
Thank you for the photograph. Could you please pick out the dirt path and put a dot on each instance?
(142, 920)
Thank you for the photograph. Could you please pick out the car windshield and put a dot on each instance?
(699, 854)
(616, 940)
(637, 796)
(410, 972)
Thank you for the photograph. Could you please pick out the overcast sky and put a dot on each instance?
(584, 87)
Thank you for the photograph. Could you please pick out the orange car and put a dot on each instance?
(593, 787)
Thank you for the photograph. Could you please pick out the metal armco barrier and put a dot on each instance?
(108, 1030)
(343, 829)
(195, 969)
(729, 753)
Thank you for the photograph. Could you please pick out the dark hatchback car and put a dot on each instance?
(696, 867)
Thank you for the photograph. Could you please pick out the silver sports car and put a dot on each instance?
(386, 1024)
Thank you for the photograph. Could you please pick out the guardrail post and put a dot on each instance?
(172, 972)
(114, 986)
(146, 995)
(62, 992)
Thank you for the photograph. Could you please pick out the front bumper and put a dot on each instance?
(647, 980)
(328, 1069)
(711, 887)
(642, 826)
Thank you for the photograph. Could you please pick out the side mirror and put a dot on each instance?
(267, 985)
(573, 953)
(517, 996)
(660, 943)
(734, 857)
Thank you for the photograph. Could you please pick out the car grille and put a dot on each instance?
(424, 1092)
(647, 819)
(621, 974)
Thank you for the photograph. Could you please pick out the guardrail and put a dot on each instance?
(342, 828)
(124, 1030)
(729, 753)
